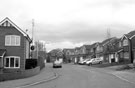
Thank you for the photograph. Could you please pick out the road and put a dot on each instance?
(78, 76)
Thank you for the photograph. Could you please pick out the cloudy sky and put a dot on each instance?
(70, 23)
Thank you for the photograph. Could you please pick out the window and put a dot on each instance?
(125, 42)
(12, 40)
(12, 62)
(7, 40)
(83, 50)
(18, 40)
(119, 44)
(91, 50)
(126, 55)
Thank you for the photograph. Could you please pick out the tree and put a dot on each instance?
(40, 50)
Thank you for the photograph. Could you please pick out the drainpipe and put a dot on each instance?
(130, 51)
(2, 65)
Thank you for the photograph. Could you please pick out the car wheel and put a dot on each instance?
(100, 62)
(89, 64)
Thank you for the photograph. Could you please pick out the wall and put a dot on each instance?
(13, 50)
(19, 75)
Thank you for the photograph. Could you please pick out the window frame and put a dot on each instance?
(15, 40)
(120, 44)
(125, 42)
(9, 64)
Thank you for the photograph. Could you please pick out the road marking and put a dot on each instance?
(47, 80)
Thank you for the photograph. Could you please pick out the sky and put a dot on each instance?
(71, 23)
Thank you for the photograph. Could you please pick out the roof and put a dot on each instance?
(88, 46)
(13, 24)
(71, 50)
(2, 52)
(94, 44)
(77, 48)
(107, 41)
(129, 35)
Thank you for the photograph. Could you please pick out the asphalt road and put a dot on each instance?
(77, 76)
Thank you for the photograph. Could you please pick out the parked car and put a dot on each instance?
(95, 61)
(86, 60)
(57, 63)
(89, 62)
(83, 61)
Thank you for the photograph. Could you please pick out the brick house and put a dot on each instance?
(112, 50)
(55, 54)
(106, 49)
(77, 54)
(85, 51)
(99, 50)
(14, 47)
(92, 53)
(127, 47)
(69, 54)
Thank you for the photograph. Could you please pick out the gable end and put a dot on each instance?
(8, 23)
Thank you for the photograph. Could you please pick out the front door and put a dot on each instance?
(132, 59)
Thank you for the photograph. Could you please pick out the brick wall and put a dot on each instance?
(13, 50)
(19, 75)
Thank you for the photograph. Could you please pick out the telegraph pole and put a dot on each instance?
(108, 33)
(33, 24)
(37, 48)
(32, 47)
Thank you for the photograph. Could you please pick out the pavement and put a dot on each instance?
(45, 74)
(127, 75)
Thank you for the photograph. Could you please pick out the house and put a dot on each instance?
(127, 47)
(85, 51)
(77, 55)
(99, 50)
(92, 53)
(106, 54)
(14, 47)
(69, 54)
(55, 54)
(112, 49)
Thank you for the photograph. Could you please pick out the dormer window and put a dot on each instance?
(125, 42)
(12, 40)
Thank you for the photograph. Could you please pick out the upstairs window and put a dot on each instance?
(12, 40)
(83, 50)
(125, 42)
(120, 44)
